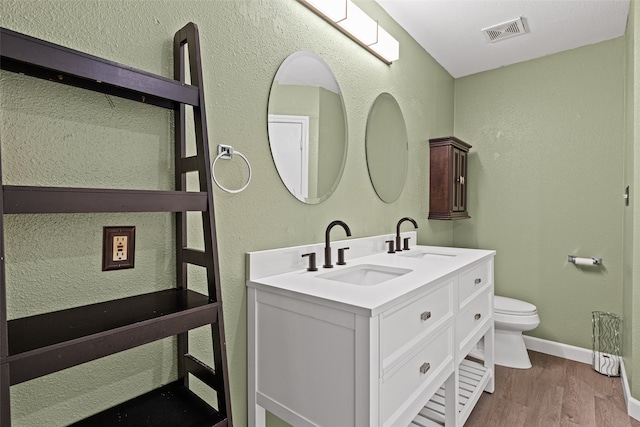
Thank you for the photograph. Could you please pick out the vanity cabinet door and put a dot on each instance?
(459, 168)
(448, 178)
(304, 353)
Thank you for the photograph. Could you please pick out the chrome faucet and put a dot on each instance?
(406, 218)
(327, 246)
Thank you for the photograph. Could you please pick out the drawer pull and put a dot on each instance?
(425, 368)
(477, 316)
(478, 281)
(426, 315)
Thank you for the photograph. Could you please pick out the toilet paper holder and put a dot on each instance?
(584, 261)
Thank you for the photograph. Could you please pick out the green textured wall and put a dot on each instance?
(546, 181)
(55, 135)
(636, 196)
(631, 295)
(628, 275)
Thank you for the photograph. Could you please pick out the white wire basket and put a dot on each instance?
(606, 343)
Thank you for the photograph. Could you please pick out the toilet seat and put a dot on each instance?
(513, 307)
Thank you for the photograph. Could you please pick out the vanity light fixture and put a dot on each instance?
(355, 23)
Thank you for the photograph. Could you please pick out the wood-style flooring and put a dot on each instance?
(555, 392)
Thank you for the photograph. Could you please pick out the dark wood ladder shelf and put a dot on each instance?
(34, 346)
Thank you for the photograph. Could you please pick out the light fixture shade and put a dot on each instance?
(335, 10)
(359, 24)
(386, 46)
(355, 23)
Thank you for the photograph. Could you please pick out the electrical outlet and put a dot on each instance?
(118, 248)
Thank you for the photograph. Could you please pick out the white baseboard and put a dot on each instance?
(583, 355)
(633, 405)
(557, 349)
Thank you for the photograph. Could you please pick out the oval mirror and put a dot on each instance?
(307, 127)
(387, 147)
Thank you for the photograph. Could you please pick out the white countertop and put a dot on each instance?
(372, 299)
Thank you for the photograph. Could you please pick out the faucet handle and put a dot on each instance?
(391, 250)
(406, 244)
(341, 256)
(312, 261)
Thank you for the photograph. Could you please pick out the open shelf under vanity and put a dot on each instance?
(472, 380)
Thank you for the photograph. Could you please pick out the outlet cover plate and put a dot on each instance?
(126, 237)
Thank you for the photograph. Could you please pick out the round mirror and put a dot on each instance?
(307, 127)
(387, 148)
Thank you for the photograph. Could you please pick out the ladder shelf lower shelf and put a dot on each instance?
(168, 406)
(49, 342)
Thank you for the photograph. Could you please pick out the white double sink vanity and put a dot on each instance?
(380, 341)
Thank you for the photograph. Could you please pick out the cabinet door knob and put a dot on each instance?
(477, 316)
(478, 281)
(426, 315)
(424, 368)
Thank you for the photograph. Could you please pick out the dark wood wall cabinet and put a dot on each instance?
(34, 346)
(448, 178)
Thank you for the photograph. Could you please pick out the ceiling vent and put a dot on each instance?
(506, 30)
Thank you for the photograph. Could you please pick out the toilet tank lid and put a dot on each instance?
(512, 306)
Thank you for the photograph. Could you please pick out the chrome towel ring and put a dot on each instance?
(226, 152)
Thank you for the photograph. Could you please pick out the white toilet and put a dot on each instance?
(512, 318)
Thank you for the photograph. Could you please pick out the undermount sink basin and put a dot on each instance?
(421, 254)
(365, 274)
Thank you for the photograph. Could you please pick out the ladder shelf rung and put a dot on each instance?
(196, 257)
(49, 342)
(27, 199)
(203, 372)
(38, 58)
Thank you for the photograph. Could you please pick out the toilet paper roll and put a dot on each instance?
(584, 261)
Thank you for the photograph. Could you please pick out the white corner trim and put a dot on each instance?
(583, 355)
(557, 349)
(633, 405)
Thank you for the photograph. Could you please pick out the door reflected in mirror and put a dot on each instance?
(307, 127)
(387, 148)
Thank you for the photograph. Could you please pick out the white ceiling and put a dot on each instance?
(450, 30)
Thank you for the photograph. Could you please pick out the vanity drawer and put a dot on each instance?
(404, 326)
(402, 385)
(473, 317)
(473, 281)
